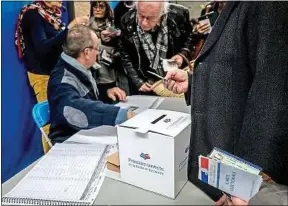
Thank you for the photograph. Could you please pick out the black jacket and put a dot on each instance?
(239, 90)
(133, 56)
(119, 11)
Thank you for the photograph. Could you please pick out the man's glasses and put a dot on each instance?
(96, 49)
(93, 48)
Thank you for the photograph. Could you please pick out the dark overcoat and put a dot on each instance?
(239, 89)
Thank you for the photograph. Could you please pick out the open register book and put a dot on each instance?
(69, 174)
(230, 174)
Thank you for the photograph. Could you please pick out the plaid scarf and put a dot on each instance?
(52, 16)
(155, 52)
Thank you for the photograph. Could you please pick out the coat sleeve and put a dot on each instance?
(80, 112)
(264, 132)
(187, 46)
(43, 45)
(188, 93)
(124, 48)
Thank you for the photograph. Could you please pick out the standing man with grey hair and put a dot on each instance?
(153, 31)
(72, 90)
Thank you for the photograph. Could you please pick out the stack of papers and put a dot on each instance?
(99, 135)
(230, 174)
(139, 103)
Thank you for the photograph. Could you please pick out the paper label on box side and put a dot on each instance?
(146, 164)
(229, 179)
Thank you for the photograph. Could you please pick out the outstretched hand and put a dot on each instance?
(176, 81)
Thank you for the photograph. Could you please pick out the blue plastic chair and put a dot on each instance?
(41, 116)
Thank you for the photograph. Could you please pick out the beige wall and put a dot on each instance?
(193, 6)
(82, 8)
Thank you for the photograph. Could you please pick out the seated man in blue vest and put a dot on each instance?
(72, 90)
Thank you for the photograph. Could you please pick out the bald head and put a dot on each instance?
(151, 4)
(149, 13)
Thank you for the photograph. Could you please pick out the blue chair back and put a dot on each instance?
(41, 116)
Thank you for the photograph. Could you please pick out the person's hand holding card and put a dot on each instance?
(106, 35)
(112, 32)
(203, 27)
(206, 22)
(169, 64)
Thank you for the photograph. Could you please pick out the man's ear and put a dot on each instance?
(85, 51)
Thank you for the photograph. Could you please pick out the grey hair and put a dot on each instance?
(165, 5)
(78, 38)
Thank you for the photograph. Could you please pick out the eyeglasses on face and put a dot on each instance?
(93, 48)
(100, 6)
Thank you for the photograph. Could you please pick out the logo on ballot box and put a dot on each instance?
(167, 120)
(145, 156)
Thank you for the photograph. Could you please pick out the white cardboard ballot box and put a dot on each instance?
(153, 151)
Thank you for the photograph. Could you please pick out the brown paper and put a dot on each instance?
(113, 162)
(113, 168)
